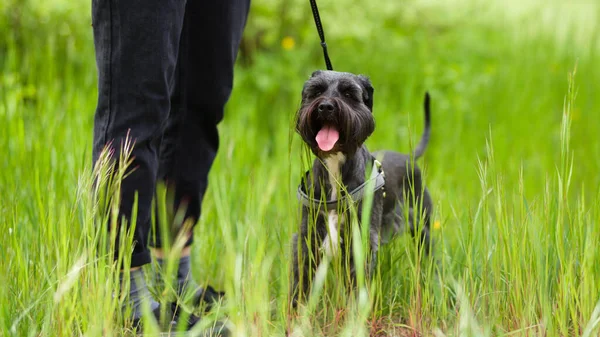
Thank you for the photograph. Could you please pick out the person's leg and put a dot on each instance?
(211, 38)
(136, 51)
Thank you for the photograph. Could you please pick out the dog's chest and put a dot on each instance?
(331, 242)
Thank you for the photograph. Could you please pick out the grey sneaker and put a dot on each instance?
(207, 296)
(138, 323)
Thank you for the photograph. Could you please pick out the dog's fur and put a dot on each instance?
(346, 102)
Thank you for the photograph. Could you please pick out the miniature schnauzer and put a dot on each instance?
(334, 120)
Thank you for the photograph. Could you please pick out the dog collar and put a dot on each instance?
(355, 195)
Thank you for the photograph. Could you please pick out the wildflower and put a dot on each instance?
(437, 224)
(288, 43)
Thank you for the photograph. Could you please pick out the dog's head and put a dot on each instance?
(336, 112)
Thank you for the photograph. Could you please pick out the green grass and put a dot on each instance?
(512, 166)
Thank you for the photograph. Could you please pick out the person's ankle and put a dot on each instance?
(138, 295)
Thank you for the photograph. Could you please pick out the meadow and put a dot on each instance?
(512, 167)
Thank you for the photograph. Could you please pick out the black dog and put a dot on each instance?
(334, 120)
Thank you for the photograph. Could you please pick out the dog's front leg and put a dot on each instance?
(374, 224)
(305, 257)
(301, 269)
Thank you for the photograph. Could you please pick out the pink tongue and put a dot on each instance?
(326, 138)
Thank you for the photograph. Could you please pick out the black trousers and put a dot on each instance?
(165, 73)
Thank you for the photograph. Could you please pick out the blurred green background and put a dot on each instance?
(489, 65)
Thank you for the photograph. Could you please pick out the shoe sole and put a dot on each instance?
(219, 329)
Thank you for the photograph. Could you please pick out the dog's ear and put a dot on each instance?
(316, 73)
(367, 91)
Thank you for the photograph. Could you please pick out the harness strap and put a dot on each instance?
(353, 196)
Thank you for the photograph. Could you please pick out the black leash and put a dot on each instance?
(315, 10)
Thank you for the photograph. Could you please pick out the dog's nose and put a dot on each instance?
(326, 107)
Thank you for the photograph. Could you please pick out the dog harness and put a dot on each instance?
(357, 194)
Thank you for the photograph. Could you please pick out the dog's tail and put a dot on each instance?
(426, 133)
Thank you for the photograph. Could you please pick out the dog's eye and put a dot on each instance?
(312, 94)
(349, 94)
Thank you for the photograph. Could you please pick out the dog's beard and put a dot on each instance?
(344, 130)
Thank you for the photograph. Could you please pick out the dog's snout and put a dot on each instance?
(326, 107)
